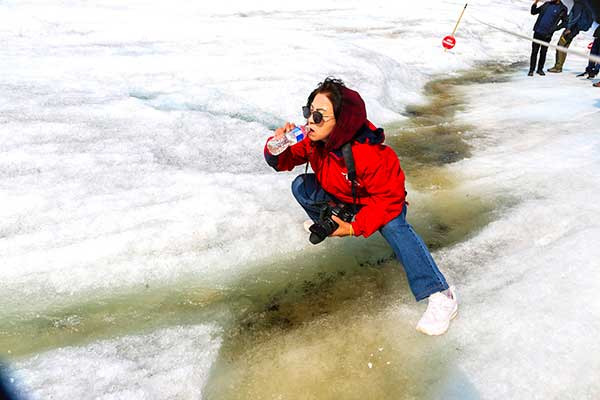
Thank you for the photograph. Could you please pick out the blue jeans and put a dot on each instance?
(423, 275)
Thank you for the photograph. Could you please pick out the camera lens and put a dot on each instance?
(315, 239)
(320, 230)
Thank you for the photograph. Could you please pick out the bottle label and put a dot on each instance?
(299, 132)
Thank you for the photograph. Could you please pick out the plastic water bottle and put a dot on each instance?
(277, 146)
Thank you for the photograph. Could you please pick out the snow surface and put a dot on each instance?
(168, 363)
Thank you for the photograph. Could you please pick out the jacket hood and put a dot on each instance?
(368, 133)
(353, 116)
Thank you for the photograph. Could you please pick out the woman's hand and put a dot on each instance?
(344, 229)
(279, 132)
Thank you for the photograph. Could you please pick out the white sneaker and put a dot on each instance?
(440, 311)
(307, 224)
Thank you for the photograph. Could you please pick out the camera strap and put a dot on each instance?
(349, 161)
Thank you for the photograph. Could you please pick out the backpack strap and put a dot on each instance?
(349, 161)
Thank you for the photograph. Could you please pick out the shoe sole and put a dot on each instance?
(307, 226)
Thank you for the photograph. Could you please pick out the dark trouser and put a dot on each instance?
(593, 67)
(424, 277)
(535, 48)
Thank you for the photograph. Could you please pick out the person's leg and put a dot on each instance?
(423, 275)
(594, 67)
(595, 47)
(564, 41)
(557, 58)
(569, 39)
(589, 68)
(534, 53)
(543, 52)
(310, 194)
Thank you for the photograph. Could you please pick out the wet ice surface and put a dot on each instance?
(530, 280)
(131, 156)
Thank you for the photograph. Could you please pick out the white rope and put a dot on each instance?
(552, 46)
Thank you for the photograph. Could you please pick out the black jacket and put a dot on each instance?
(550, 13)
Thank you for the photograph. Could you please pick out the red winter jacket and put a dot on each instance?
(380, 180)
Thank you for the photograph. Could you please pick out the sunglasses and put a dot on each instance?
(317, 116)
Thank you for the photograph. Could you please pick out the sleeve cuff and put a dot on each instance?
(272, 160)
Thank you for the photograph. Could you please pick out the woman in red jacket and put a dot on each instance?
(337, 116)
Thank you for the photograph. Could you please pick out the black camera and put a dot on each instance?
(325, 226)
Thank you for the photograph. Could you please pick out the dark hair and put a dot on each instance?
(332, 88)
